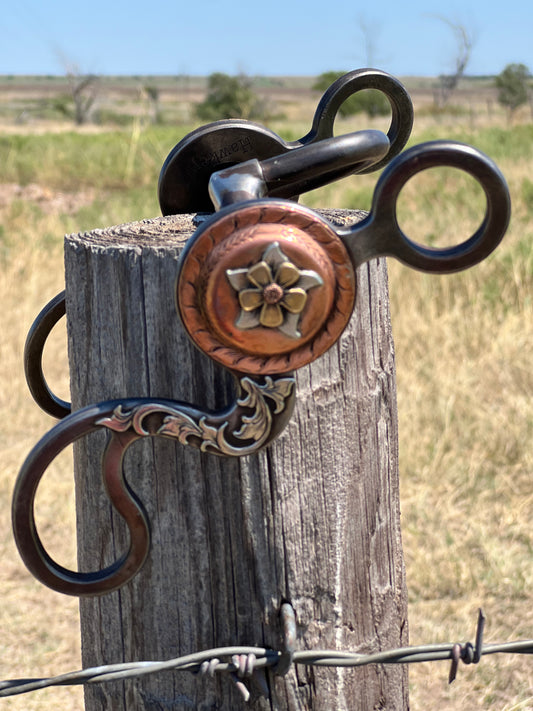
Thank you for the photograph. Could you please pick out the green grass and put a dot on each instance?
(114, 160)
(507, 144)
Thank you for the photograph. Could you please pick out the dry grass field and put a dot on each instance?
(464, 346)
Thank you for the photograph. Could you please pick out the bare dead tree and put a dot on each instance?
(464, 44)
(369, 32)
(84, 90)
(153, 94)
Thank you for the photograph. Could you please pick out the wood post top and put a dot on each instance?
(174, 230)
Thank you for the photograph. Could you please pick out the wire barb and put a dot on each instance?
(244, 666)
(467, 653)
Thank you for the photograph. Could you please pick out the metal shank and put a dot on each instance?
(297, 172)
(254, 419)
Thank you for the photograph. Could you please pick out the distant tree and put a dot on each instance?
(77, 105)
(513, 85)
(369, 31)
(151, 91)
(464, 45)
(370, 101)
(229, 97)
(84, 90)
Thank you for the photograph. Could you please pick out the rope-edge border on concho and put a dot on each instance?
(187, 289)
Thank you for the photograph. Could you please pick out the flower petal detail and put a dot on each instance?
(271, 316)
(294, 300)
(309, 279)
(272, 301)
(251, 299)
(287, 275)
(273, 255)
(290, 326)
(260, 274)
(248, 319)
(238, 278)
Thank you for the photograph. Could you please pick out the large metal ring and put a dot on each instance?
(259, 414)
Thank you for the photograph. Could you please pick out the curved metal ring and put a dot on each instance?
(256, 417)
(359, 80)
(33, 358)
(29, 544)
(380, 235)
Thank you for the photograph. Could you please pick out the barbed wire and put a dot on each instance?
(241, 662)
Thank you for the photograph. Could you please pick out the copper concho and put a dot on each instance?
(266, 289)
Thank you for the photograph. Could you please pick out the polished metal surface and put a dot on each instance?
(294, 173)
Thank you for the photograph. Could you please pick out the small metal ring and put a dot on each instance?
(358, 80)
(33, 358)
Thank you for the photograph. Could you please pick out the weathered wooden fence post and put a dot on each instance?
(313, 519)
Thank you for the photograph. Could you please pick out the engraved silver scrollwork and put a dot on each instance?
(212, 433)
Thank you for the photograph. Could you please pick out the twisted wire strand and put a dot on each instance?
(264, 658)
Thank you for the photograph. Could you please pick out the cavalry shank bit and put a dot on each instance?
(264, 286)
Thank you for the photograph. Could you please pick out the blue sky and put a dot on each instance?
(278, 37)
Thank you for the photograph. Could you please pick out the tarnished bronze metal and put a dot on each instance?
(235, 245)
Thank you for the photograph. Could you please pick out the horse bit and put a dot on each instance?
(264, 286)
